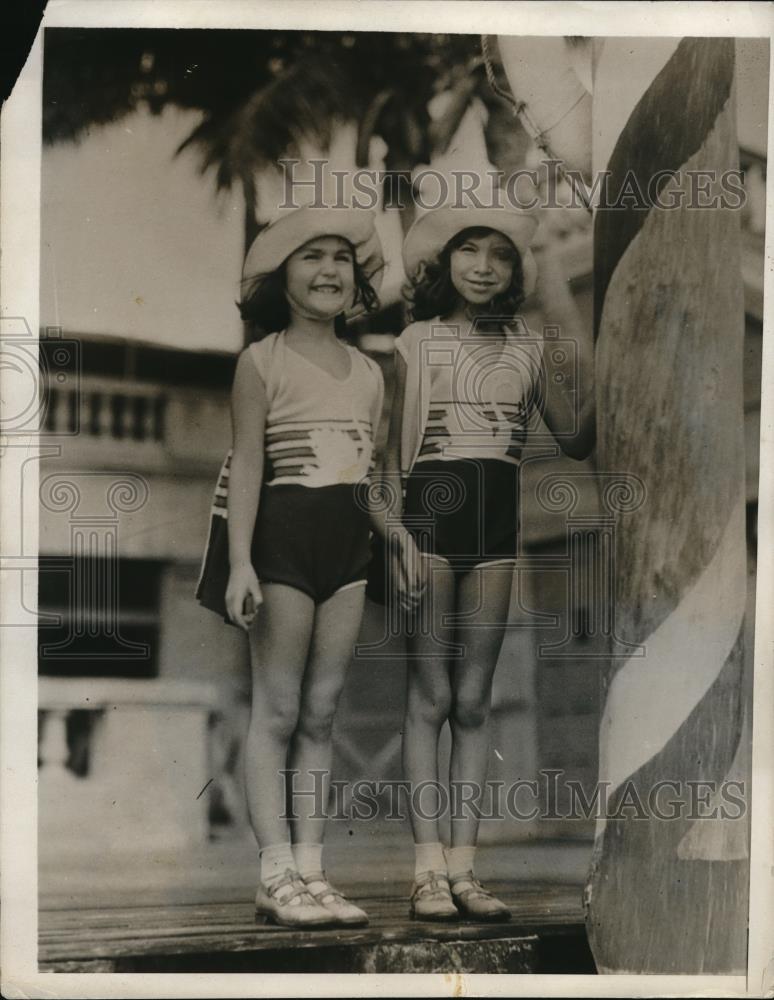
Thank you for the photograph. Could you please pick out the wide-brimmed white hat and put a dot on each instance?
(445, 208)
(435, 227)
(292, 228)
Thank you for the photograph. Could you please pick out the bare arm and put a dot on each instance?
(569, 396)
(388, 474)
(407, 566)
(249, 407)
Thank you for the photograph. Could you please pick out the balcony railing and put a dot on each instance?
(141, 421)
(121, 412)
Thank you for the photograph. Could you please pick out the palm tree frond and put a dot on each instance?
(300, 104)
(443, 129)
(369, 125)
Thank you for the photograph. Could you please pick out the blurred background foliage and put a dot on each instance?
(262, 92)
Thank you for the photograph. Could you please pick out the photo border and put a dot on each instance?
(20, 164)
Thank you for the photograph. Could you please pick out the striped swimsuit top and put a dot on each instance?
(481, 397)
(319, 429)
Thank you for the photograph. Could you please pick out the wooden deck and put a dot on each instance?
(545, 934)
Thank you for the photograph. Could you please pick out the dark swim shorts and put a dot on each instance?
(464, 511)
(315, 539)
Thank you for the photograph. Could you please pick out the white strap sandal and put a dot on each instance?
(337, 905)
(288, 902)
(476, 902)
(431, 898)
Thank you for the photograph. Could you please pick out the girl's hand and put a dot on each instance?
(409, 571)
(243, 596)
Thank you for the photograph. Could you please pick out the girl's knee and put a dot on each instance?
(316, 724)
(429, 708)
(471, 712)
(280, 718)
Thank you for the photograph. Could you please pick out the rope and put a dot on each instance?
(572, 107)
(537, 135)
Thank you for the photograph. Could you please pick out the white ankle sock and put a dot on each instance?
(275, 859)
(308, 858)
(429, 858)
(459, 860)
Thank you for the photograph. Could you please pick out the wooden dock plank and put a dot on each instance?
(544, 903)
(106, 934)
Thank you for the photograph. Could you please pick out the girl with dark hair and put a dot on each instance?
(434, 293)
(265, 307)
(470, 380)
(289, 538)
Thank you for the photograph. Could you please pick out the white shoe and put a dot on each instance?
(476, 902)
(337, 905)
(431, 898)
(288, 902)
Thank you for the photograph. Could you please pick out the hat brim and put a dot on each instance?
(432, 231)
(280, 238)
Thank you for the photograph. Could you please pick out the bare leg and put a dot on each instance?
(428, 699)
(486, 592)
(336, 627)
(279, 645)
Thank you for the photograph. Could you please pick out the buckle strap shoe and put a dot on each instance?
(476, 902)
(288, 902)
(336, 903)
(431, 898)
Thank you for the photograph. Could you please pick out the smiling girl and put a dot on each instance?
(470, 380)
(289, 542)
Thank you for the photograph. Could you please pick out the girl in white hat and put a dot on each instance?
(289, 539)
(470, 382)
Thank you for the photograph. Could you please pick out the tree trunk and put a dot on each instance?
(669, 895)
